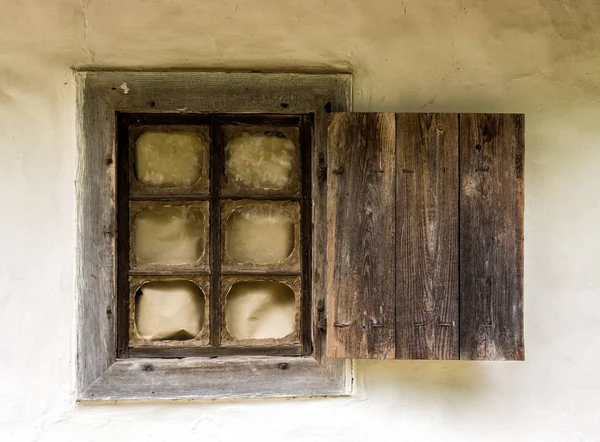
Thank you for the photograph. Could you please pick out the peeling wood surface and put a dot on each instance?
(427, 236)
(361, 235)
(222, 378)
(491, 236)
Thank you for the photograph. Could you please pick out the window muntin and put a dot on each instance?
(238, 174)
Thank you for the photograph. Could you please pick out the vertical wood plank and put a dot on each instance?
(337, 367)
(491, 236)
(123, 154)
(96, 228)
(319, 234)
(427, 236)
(360, 238)
(216, 167)
(306, 316)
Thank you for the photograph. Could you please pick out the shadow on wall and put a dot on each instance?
(429, 380)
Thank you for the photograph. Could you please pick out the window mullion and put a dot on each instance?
(216, 166)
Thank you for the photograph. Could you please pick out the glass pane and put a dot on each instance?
(169, 310)
(169, 235)
(259, 234)
(169, 159)
(260, 310)
(266, 161)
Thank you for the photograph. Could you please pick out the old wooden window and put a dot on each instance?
(396, 236)
(178, 227)
(214, 235)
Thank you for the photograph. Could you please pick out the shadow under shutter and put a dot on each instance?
(425, 236)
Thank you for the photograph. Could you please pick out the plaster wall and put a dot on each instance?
(540, 57)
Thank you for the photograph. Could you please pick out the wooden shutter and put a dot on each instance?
(360, 235)
(425, 236)
(491, 236)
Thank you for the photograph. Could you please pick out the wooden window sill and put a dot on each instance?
(228, 377)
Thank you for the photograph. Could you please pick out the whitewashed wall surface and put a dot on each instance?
(538, 57)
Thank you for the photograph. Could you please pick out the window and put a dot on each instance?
(130, 206)
(214, 235)
(396, 236)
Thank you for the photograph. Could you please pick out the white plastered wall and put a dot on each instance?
(540, 57)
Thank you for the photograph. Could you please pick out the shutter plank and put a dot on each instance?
(361, 230)
(491, 236)
(427, 236)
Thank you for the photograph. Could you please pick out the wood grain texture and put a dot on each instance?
(188, 92)
(222, 378)
(337, 367)
(491, 236)
(319, 235)
(427, 236)
(100, 95)
(360, 237)
(306, 223)
(96, 229)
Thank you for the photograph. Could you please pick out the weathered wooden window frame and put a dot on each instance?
(100, 374)
(220, 200)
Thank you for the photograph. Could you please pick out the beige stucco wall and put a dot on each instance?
(540, 57)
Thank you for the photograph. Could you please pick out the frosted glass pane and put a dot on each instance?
(169, 235)
(266, 160)
(169, 159)
(172, 310)
(259, 234)
(260, 310)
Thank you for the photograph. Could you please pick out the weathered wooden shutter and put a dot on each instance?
(425, 236)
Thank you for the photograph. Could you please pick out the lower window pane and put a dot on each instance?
(169, 310)
(261, 311)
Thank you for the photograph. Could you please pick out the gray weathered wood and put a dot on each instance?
(319, 236)
(100, 96)
(222, 92)
(96, 228)
(427, 236)
(338, 367)
(222, 378)
(491, 236)
(361, 235)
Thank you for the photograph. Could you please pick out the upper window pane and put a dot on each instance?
(171, 160)
(261, 160)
